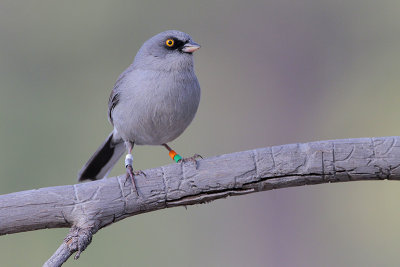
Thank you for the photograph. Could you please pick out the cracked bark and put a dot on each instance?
(88, 207)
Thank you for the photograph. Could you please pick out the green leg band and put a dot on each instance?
(177, 158)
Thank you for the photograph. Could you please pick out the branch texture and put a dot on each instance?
(88, 207)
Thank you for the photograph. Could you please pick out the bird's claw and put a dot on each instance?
(139, 172)
(130, 174)
(193, 159)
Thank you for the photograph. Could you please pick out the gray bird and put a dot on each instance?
(152, 102)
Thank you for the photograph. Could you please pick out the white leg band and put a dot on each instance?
(128, 160)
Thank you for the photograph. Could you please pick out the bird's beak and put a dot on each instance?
(190, 47)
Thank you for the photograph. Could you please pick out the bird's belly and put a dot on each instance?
(160, 129)
(160, 118)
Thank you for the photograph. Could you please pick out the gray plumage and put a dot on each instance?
(153, 101)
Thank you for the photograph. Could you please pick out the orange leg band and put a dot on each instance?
(172, 154)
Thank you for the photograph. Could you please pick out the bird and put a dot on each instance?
(152, 102)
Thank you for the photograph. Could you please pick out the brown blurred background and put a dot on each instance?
(272, 72)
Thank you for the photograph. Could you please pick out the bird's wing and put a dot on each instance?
(115, 93)
(112, 102)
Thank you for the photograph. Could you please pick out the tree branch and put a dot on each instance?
(88, 207)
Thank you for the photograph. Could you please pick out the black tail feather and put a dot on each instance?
(102, 160)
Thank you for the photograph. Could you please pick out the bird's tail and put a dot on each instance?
(102, 161)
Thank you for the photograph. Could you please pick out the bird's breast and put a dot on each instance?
(158, 109)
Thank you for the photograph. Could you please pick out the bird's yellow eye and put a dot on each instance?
(169, 42)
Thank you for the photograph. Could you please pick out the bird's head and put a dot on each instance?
(169, 50)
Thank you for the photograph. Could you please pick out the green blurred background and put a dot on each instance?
(272, 72)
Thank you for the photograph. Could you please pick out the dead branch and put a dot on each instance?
(88, 207)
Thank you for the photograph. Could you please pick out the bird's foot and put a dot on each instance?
(193, 159)
(130, 173)
(178, 159)
(139, 172)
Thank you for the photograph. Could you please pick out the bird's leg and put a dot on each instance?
(128, 165)
(177, 158)
(174, 156)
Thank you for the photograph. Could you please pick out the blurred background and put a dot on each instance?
(272, 72)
